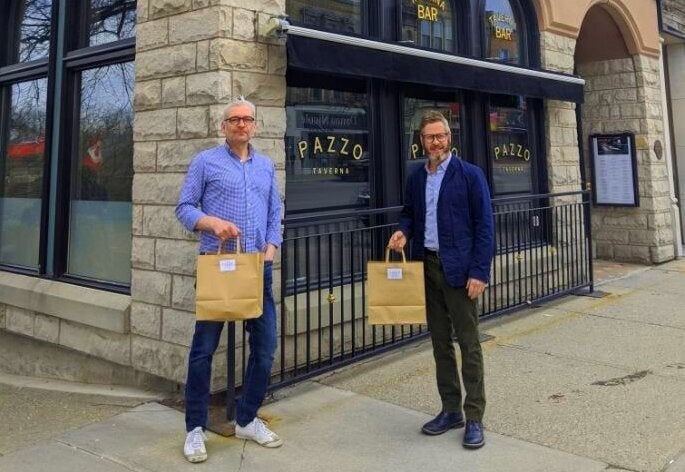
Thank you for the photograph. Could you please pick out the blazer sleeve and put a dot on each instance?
(483, 225)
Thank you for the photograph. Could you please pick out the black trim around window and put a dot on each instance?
(390, 74)
(67, 64)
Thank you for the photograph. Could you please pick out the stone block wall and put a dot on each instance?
(192, 57)
(561, 135)
(624, 95)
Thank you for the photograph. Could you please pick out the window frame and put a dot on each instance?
(530, 114)
(369, 19)
(459, 28)
(62, 67)
(18, 72)
(526, 22)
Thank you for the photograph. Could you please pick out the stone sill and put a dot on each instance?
(88, 306)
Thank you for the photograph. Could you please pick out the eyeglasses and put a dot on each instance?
(435, 137)
(235, 120)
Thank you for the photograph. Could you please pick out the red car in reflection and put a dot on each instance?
(26, 149)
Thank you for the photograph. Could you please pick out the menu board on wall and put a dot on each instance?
(614, 169)
(672, 17)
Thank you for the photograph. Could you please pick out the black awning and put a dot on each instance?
(320, 55)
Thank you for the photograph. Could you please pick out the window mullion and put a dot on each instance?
(54, 230)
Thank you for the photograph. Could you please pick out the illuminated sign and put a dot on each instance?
(429, 9)
(502, 26)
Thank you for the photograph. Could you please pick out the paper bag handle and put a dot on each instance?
(387, 255)
(238, 249)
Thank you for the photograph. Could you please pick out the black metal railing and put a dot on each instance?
(543, 251)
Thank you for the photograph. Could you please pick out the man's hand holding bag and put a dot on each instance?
(229, 287)
(396, 293)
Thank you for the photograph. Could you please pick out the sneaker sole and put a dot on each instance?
(270, 445)
(443, 431)
(196, 459)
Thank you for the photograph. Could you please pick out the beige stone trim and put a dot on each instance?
(87, 306)
(636, 19)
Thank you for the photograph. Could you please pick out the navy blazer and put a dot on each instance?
(465, 222)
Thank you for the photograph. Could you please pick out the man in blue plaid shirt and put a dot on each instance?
(229, 191)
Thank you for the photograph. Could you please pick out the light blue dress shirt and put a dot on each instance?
(244, 193)
(433, 183)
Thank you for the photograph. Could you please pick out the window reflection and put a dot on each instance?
(34, 32)
(502, 42)
(341, 16)
(327, 149)
(510, 150)
(100, 211)
(428, 24)
(22, 175)
(111, 20)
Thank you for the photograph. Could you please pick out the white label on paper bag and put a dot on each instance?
(227, 265)
(395, 274)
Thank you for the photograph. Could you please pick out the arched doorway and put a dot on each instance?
(621, 121)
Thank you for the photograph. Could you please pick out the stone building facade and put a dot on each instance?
(192, 56)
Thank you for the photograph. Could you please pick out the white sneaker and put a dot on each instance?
(194, 447)
(257, 431)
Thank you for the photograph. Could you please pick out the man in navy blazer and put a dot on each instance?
(447, 215)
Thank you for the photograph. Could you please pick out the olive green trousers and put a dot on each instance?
(449, 310)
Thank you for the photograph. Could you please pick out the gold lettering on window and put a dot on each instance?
(511, 150)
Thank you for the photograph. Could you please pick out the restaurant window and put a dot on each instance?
(414, 109)
(108, 21)
(503, 35)
(34, 17)
(22, 174)
(327, 150)
(77, 227)
(511, 156)
(339, 16)
(102, 168)
(429, 24)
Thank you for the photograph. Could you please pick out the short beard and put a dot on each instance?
(438, 158)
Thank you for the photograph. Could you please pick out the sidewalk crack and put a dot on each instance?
(113, 460)
(242, 456)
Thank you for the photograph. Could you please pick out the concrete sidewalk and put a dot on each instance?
(580, 385)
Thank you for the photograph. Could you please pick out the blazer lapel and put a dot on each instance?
(452, 169)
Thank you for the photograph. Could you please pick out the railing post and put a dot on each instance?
(587, 202)
(230, 371)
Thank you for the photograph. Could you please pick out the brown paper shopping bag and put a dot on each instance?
(229, 286)
(395, 292)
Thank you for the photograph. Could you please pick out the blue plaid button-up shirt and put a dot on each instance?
(244, 193)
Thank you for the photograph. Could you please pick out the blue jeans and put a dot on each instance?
(262, 342)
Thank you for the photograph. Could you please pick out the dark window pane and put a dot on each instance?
(502, 35)
(428, 24)
(100, 211)
(22, 175)
(510, 145)
(414, 110)
(340, 16)
(34, 32)
(111, 20)
(327, 150)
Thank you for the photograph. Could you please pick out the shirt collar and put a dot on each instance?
(442, 167)
(250, 151)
